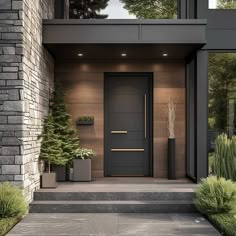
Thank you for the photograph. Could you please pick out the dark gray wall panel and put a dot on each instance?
(182, 9)
(191, 9)
(61, 10)
(202, 9)
(220, 28)
(126, 31)
(221, 19)
(87, 34)
(221, 39)
(173, 33)
(190, 112)
(201, 114)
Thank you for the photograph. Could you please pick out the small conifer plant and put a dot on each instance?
(51, 147)
(63, 129)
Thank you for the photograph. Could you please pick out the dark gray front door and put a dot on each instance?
(127, 124)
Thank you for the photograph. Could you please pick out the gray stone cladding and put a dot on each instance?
(26, 82)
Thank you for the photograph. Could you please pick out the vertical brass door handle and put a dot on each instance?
(145, 116)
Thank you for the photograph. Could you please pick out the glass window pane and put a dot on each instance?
(222, 98)
(222, 4)
(123, 9)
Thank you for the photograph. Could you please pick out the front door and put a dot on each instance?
(128, 124)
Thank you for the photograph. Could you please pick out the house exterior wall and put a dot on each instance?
(84, 90)
(26, 78)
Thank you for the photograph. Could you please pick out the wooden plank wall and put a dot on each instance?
(84, 89)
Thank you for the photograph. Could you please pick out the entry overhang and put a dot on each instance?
(58, 34)
(124, 31)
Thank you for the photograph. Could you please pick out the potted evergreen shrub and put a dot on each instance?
(82, 165)
(171, 139)
(66, 134)
(51, 152)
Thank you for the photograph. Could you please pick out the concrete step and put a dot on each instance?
(112, 207)
(112, 196)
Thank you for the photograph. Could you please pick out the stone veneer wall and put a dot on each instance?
(26, 80)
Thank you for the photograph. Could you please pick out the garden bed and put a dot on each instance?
(225, 223)
(6, 224)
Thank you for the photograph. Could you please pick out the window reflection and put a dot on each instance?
(222, 98)
(123, 9)
(222, 4)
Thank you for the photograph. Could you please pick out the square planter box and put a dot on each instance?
(85, 122)
(60, 173)
(49, 180)
(82, 170)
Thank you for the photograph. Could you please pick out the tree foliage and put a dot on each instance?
(66, 134)
(151, 9)
(51, 148)
(87, 9)
(226, 4)
(222, 89)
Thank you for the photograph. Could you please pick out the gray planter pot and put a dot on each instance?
(82, 170)
(49, 180)
(60, 173)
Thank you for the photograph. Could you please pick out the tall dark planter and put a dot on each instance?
(171, 158)
(60, 173)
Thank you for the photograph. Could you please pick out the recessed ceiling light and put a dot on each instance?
(80, 54)
(123, 54)
(165, 55)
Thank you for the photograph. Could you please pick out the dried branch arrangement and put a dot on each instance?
(171, 118)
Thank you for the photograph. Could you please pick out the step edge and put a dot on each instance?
(111, 202)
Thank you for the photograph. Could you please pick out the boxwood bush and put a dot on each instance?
(216, 195)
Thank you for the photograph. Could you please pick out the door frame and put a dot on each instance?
(149, 76)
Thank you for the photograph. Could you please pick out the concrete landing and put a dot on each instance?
(114, 225)
(126, 184)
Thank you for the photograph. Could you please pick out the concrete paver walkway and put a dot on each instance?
(114, 224)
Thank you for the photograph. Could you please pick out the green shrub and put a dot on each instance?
(86, 118)
(12, 202)
(216, 195)
(224, 163)
(6, 224)
(225, 223)
(84, 154)
(211, 159)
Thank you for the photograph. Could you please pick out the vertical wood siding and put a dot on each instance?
(84, 90)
